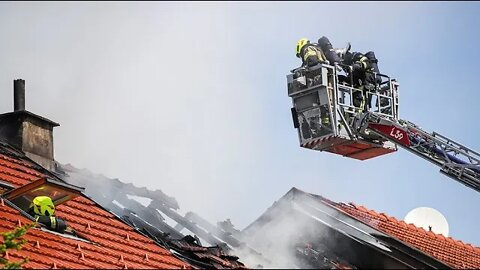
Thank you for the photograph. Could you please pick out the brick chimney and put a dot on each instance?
(27, 131)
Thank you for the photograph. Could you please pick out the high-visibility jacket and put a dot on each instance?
(312, 55)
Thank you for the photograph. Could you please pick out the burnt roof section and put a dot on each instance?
(106, 190)
(149, 220)
(316, 220)
(186, 247)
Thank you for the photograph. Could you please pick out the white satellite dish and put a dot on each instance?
(428, 219)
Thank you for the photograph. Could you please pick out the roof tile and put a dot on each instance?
(109, 244)
(452, 252)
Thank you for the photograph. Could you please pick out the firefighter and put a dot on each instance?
(310, 53)
(362, 66)
(363, 78)
(43, 210)
(330, 53)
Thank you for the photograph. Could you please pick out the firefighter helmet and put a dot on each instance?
(43, 206)
(300, 45)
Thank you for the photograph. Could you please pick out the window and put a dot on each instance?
(59, 192)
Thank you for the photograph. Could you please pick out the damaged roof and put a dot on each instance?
(350, 233)
(102, 239)
(149, 219)
(210, 257)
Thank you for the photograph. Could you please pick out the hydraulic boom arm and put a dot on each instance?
(454, 159)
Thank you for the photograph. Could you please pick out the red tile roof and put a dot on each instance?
(107, 241)
(452, 252)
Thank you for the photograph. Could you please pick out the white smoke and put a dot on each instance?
(277, 234)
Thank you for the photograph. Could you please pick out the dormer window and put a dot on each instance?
(58, 191)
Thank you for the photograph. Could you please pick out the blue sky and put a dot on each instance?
(191, 97)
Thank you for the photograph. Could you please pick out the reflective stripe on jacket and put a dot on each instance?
(311, 55)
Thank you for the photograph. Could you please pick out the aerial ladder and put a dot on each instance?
(327, 119)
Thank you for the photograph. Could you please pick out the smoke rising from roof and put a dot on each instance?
(173, 96)
(280, 233)
(190, 98)
(277, 242)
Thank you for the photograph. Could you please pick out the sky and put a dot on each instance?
(191, 97)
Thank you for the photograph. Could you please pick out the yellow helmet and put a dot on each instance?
(300, 45)
(43, 206)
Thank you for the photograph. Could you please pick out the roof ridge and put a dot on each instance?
(440, 237)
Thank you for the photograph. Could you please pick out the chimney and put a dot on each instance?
(27, 131)
(19, 95)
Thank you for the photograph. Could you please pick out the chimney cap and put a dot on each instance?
(29, 114)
